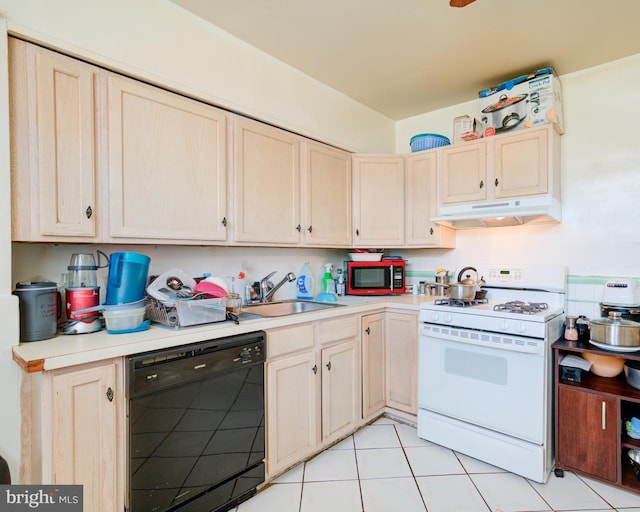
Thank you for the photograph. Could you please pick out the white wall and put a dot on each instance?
(599, 233)
(160, 41)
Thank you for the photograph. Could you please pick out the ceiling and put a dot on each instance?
(407, 57)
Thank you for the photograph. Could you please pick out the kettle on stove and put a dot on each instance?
(478, 282)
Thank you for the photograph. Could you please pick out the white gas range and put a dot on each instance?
(485, 369)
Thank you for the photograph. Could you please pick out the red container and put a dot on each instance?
(82, 298)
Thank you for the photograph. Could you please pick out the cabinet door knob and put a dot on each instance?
(310, 229)
(357, 232)
(224, 221)
(496, 182)
(604, 415)
(109, 394)
(368, 330)
(431, 231)
(88, 212)
(315, 369)
(481, 183)
(328, 365)
(298, 228)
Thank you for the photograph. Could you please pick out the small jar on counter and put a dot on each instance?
(233, 303)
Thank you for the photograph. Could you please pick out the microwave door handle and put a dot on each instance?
(392, 279)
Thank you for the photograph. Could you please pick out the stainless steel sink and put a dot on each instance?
(287, 307)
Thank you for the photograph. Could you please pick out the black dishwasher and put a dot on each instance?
(196, 425)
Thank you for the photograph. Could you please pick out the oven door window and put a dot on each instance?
(371, 278)
(499, 389)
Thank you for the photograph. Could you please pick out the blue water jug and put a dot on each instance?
(127, 281)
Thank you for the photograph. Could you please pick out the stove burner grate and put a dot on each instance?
(460, 303)
(524, 308)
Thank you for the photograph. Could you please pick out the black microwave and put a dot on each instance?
(384, 277)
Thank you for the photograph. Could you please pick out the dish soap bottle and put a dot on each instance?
(304, 283)
(328, 285)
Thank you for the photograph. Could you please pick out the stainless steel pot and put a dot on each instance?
(615, 331)
(462, 291)
(507, 112)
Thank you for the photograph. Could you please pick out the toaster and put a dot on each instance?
(621, 292)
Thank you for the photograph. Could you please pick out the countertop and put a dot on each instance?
(69, 350)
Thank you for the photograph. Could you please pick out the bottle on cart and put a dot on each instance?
(571, 329)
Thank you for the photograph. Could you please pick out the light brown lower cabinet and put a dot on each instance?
(73, 431)
(312, 389)
(401, 353)
(373, 364)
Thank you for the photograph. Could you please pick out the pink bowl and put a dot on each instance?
(213, 291)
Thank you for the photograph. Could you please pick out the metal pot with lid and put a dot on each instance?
(615, 332)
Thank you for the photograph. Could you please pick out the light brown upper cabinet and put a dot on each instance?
(158, 159)
(378, 201)
(53, 145)
(517, 164)
(167, 164)
(266, 195)
(421, 203)
(463, 172)
(326, 198)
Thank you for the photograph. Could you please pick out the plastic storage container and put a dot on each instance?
(126, 319)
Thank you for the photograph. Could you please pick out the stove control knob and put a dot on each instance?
(520, 327)
(435, 317)
(504, 325)
(448, 318)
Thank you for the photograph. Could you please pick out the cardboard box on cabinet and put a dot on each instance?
(523, 102)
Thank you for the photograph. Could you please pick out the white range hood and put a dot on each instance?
(511, 212)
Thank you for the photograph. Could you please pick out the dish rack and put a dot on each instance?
(184, 313)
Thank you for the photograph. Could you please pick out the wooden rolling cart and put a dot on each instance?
(590, 435)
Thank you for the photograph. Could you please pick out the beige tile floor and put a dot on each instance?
(385, 467)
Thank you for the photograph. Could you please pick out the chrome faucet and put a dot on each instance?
(267, 288)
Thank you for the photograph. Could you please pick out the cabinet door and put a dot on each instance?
(326, 181)
(463, 172)
(521, 163)
(402, 361)
(420, 203)
(340, 411)
(373, 364)
(293, 410)
(167, 164)
(266, 184)
(53, 145)
(87, 408)
(587, 433)
(378, 200)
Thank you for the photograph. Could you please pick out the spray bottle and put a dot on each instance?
(328, 285)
